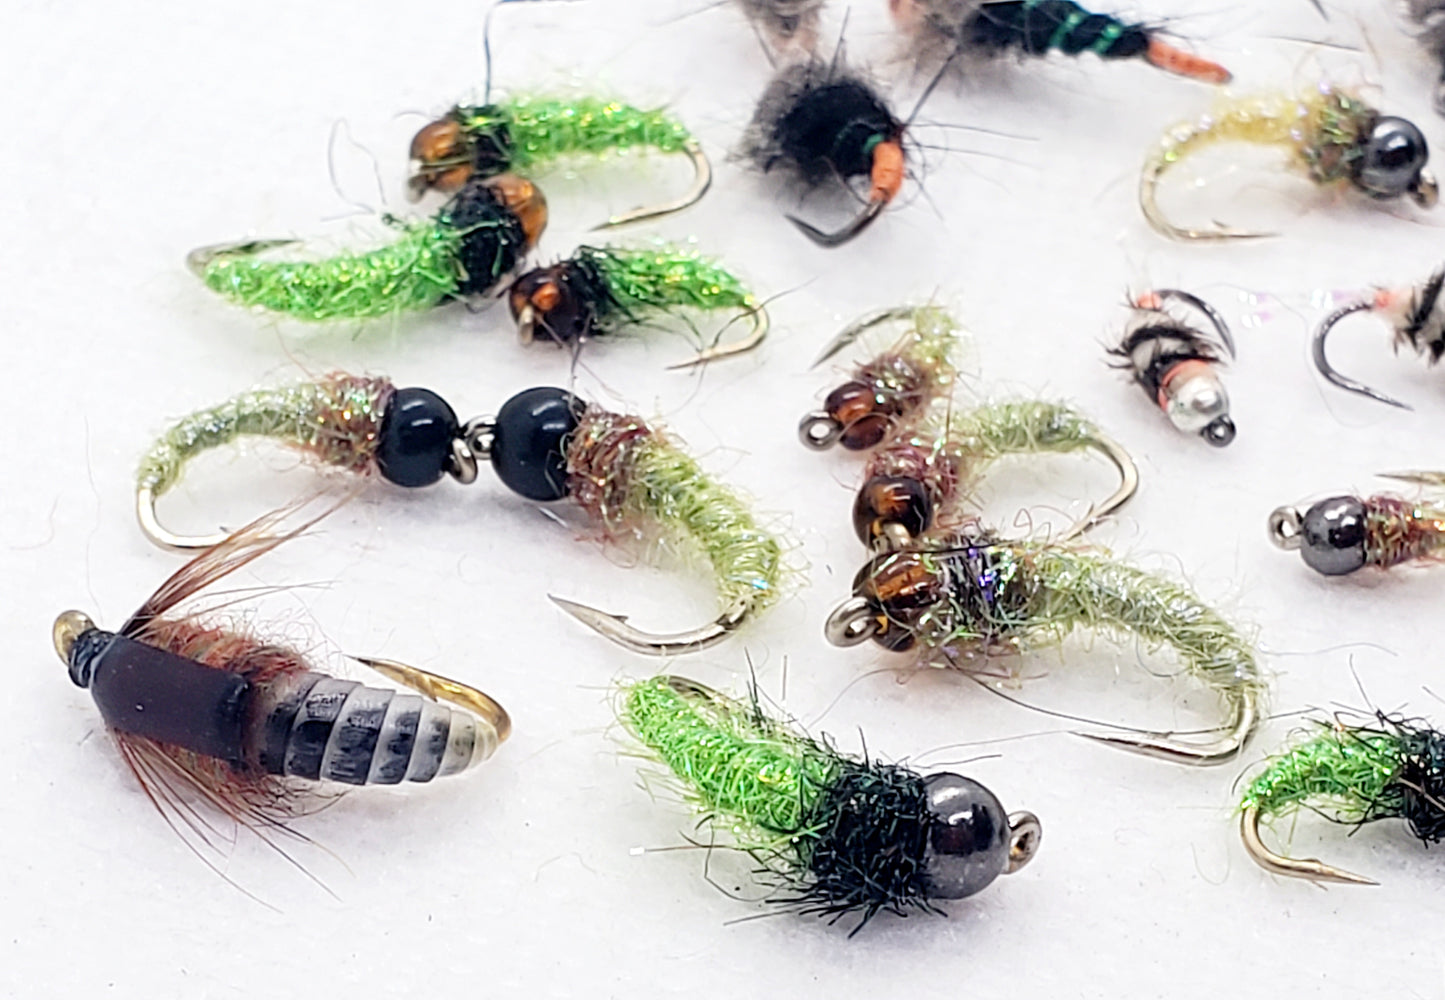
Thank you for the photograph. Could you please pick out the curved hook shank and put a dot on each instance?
(201, 258)
(1209, 312)
(151, 527)
(1220, 751)
(701, 181)
(439, 688)
(1128, 486)
(760, 326)
(860, 222)
(1277, 864)
(1149, 205)
(1322, 362)
(858, 327)
(616, 628)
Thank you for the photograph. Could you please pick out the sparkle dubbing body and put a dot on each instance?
(947, 29)
(599, 290)
(525, 134)
(966, 595)
(1330, 135)
(919, 479)
(479, 237)
(1349, 774)
(838, 834)
(544, 444)
(891, 390)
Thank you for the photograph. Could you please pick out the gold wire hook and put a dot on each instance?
(439, 688)
(1241, 728)
(758, 316)
(1322, 363)
(150, 525)
(1149, 205)
(1120, 458)
(201, 258)
(1277, 864)
(616, 628)
(701, 181)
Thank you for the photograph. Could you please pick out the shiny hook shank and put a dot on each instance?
(616, 628)
(760, 322)
(1322, 362)
(1277, 864)
(701, 181)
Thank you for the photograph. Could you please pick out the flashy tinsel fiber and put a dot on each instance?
(732, 759)
(1359, 774)
(1320, 129)
(336, 419)
(999, 593)
(946, 451)
(632, 478)
(1081, 589)
(665, 278)
(417, 271)
(542, 129)
(1398, 531)
(1343, 771)
(920, 367)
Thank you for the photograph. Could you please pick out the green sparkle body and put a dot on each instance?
(540, 129)
(669, 487)
(731, 759)
(988, 433)
(664, 278)
(418, 271)
(1345, 772)
(1047, 591)
(337, 419)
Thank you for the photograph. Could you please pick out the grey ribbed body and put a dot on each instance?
(318, 727)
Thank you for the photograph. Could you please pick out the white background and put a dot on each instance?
(135, 132)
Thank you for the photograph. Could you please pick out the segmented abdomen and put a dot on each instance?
(309, 725)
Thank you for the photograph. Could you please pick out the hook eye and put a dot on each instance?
(1285, 525)
(819, 431)
(1026, 833)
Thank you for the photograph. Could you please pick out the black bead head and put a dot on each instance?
(968, 836)
(1391, 158)
(417, 432)
(529, 441)
(1332, 536)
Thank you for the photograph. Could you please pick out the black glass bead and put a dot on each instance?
(528, 442)
(416, 438)
(968, 836)
(1332, 536)
(1394, 153)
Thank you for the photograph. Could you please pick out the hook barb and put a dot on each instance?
(1220, 751)
(701, 181)
(1277, 864)
(1322, 362)
(758, 316)
(616, 628)
(1128, 486)
(151, 527)
(201, 258)
(439, 688)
